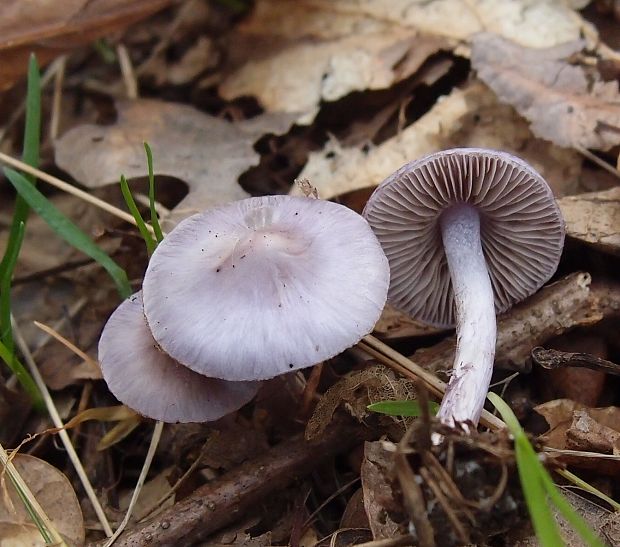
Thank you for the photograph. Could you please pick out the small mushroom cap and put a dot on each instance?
(144, 378)
(522, 230)
(265, 285)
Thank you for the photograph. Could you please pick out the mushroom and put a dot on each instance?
(265, 285)
(143, 377)
(468, 232)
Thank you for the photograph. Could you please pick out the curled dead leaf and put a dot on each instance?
(207, 153)
(380, 501)
(54, 493)
(351, 45)
(295, 56)
(469, 117)
(533, 23)
(573, 426)
(565, 103)
(594, 218)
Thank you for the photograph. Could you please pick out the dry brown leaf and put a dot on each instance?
(573, 426)
(564, 103)
(294, 56)
(379, 500)
(533, 23)
(560, 415)
(54, 493)
(467, 117)
(205, 152)
(594, 218)
(59, 374)
(51, 28)
(291, 56)
(152, 491)
(394, 323)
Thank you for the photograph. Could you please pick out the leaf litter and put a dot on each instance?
(340, 94)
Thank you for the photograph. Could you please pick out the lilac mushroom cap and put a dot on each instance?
(265, 285)
(467, 232)
(144, 378)
(521, 228)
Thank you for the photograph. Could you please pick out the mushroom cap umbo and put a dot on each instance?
(265, 285)
(144, 378)
(522, 229)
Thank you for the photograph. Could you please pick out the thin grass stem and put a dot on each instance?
(157, 431)
(64, 436)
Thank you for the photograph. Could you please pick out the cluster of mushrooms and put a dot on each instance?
(263, 286)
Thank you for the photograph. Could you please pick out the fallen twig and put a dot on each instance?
(552, 358)
(225, 499)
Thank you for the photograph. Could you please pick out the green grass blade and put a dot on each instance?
(12, 252)
(104, 50)
(30, 153)
(535, 497)
(21, 209)
(68, 230)
(32, 132)
(22, 375)
(538, 488)
(154, 218)
(133, 209)
(401, 408)
(587, 487)
(16, 235)
(567, 511)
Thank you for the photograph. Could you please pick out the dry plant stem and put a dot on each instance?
(475, 317)
(228, 497)
(129, 76)
(59, 78)
(595, 159)
(456, 524)
(49, 73)
(586, 487)
(62, 433)
(69, 345)
(9, 469)
(70, 189)
(159, 427)
(413, 497)
(70, 314)
(405, 366)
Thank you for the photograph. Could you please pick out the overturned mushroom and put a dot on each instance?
(143, 377)
(467, 233)
(262, 286)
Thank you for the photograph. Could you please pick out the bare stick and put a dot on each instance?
(552, 358)
(228, 497)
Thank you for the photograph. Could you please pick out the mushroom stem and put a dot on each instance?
(475, 316)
